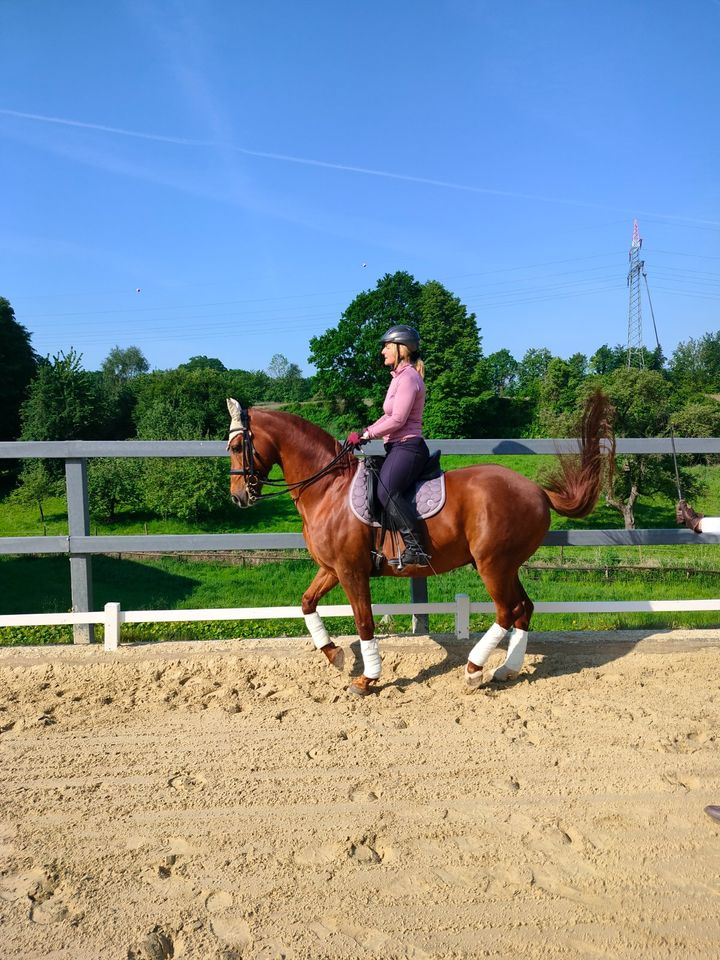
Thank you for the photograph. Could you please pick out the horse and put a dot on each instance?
(494, 519)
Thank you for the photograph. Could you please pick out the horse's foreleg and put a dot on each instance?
(357, 587)
(323, 583)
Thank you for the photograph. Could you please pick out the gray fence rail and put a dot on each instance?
(80, 546)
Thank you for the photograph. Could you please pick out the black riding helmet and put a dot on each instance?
(402, 333)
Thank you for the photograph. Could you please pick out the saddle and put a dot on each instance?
(427, 499)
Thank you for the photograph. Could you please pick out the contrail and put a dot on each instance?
(187, 142)
(347, 168)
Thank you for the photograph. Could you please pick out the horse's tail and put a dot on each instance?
(574, 485)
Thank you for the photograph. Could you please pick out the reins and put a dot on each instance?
(255, 480)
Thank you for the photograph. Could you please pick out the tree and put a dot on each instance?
(36, 485)
(347, 357)
(499, 371)
(643, 405)
(64, 403)
(119, 375)
(280, 368)
(698, 418)
(123, 365)
(579, 364)
(531, 371)
(18, 367)
(607, 359)
(350, 369)
(502, 416)
(286, 380)
(204, 363)
(558, 398)
(695, 365)
(114, 482)
(184, 405)
(450, 347)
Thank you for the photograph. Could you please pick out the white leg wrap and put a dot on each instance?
(512, 665)
(484, 647)
(319, 634)
(371, 658)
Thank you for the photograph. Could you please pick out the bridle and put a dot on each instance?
(254, 479)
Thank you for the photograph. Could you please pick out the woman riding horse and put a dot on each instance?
(400, 426)
(493, 519)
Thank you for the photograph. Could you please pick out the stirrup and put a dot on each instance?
(410, 558)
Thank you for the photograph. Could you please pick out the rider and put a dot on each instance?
(400, 426)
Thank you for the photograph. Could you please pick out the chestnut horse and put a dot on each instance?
(493, 518)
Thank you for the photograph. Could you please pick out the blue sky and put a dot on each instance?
(250, 168)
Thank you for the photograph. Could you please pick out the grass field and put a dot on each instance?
(42, 583)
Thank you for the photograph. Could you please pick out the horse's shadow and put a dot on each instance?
(557, 654)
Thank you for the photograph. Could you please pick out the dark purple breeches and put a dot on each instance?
(403, 464)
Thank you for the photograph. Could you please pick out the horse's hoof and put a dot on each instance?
(335, 656)
(713, 811)
(475, 679)
(504, 673)
(361, 687)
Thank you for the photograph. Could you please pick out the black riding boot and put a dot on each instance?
(400, 514)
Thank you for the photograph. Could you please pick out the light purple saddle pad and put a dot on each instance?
(428, 499)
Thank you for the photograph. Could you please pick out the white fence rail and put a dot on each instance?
(113, 617)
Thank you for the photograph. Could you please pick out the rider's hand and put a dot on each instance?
(355, 440)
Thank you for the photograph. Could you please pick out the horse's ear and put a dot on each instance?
(235, 411)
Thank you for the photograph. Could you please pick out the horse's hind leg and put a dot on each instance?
(517, 641)
(511, 607)
(356, 584)
(322, 583)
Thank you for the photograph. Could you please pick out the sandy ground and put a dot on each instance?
(229, 800)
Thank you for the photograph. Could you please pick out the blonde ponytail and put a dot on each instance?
(402, 352)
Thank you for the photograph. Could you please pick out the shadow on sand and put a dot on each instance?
(560, 653)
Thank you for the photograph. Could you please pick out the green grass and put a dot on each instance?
(42, 583)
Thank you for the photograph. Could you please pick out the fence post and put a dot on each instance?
(79, 526)
(112, 626)
(462, 616)
(419, 594)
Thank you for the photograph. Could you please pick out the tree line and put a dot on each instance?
(470, 394)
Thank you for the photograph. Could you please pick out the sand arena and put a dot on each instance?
(229, 800)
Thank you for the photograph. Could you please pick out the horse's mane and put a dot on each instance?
(314, 437)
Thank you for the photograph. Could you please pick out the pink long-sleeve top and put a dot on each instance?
(403, 406)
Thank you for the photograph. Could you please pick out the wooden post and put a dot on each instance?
(112, 626)
(79, 526)
(419, 594)
(462, 617)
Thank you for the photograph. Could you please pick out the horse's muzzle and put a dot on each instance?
(241, 499)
